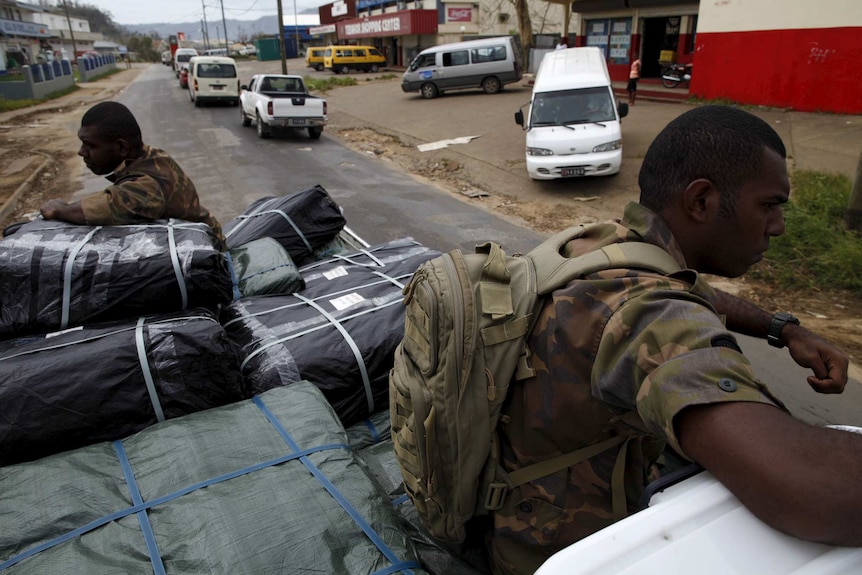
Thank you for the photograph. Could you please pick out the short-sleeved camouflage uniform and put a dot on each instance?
(621, 352)
(150, 187)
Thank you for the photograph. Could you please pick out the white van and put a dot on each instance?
(573, 124)
(213, 79)
(182, 57)
(489, 64)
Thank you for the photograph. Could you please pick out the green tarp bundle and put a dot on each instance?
(256, 487)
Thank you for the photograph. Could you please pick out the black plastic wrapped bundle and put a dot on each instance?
(55, 275)
(102, 382)
(302, 222)
(340, 332)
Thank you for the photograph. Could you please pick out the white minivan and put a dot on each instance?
(181, 59)
(489, 64)
(573, 123)
(213, 79)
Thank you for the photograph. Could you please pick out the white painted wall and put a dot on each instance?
(749, 15)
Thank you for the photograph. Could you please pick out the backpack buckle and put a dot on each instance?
(495, 495)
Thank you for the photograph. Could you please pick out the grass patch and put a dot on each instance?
(9, 105)
(817, 251)
(325, 84)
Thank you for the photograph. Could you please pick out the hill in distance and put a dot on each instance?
(237, 30)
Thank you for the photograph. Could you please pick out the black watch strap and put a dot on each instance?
(779, 320)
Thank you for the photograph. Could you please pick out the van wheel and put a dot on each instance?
(246, 121)
(375, 68)
(428, 91)
(314, 133)
(491, 85)
(262, 129)
(345, 69)
(197, 102)
(319, 67)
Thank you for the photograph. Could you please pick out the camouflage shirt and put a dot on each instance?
(150, 187)
(620, 352)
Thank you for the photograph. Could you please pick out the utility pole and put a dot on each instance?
(206, 30)
(853, 217)
(296, 28)
(71, 34)
(281, 38)
(226, 47)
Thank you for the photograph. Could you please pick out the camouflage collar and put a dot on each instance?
(648, 226)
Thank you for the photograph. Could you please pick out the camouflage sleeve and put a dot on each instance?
(126, 202)
(677, 353)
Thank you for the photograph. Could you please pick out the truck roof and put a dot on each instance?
(572, 69)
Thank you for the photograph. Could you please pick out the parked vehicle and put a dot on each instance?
(281, 101)
(488, 64)
(672, 75)
(314, 58)
(342, 59)
(573, 126)
(248, 50)
(184, 78)
(181, 59)
(213, 79)
(166, 57)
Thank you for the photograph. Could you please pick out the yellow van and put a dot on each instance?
(314, 58)
(342, 59)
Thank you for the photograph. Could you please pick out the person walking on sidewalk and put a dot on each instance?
(146, 183)
(634, 76)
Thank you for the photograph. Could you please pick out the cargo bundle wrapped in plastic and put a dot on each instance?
(105, 381)
(55, 275)
(304, 223)
(268, 485)
(339, 332)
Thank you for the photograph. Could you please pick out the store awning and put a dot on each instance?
(586, 6)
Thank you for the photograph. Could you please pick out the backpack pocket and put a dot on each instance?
(420, 324)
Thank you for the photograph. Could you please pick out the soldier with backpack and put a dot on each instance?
(622, 359)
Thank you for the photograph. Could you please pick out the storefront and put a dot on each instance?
(652, 28)
(20, 43)
(398, 34)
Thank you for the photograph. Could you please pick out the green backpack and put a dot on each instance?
(467, 318)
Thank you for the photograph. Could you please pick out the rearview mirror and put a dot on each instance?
(622, 109)
(519, 118)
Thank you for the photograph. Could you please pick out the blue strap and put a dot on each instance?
(146, 528)
(399, 500)
(375, 437)
(96, 523)
(234, 282)
(328, 485)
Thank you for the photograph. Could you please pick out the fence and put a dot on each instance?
(38, 81)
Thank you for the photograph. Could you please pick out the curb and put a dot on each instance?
(12, 203)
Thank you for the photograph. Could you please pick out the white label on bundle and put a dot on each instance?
(335, 273)
(346, 301)
(61, 332)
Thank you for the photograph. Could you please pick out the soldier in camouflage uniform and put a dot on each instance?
(147, 183)
(631, 361)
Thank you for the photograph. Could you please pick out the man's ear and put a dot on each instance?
(700, 200)
(124, 149)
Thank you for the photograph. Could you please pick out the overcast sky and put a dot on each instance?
(177, 11)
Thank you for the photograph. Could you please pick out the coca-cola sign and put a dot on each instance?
(459, 14)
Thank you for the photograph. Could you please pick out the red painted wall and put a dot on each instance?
(808, 70)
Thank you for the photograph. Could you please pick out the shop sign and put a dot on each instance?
(320, 30)
(385, 26)
(339, 8)
(459, 14)
(18, 28)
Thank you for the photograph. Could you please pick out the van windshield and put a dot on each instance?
(422, 61)
(184, 57)
(566, 107)
(216, 71)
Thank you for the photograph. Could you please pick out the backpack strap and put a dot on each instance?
(554, 270)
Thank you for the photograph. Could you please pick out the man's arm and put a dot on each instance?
(807, 349)
(802, 480)
(60, 210)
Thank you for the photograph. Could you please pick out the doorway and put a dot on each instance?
(658, 34)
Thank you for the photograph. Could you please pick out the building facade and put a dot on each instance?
(785, 53)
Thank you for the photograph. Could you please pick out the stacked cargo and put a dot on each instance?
(128, 440)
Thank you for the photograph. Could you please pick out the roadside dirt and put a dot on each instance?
(28, 140)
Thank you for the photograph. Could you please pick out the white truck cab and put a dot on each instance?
(573, 123)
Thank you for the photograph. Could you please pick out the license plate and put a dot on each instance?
(297, 121)
(217, 87)
(572, 172)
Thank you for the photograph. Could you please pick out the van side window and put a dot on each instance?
(488, 54)
(459, 58)
(425, 60)
(348, 53)
(374, 52)
(359, 53)
(327, 53)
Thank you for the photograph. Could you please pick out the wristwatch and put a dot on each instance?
(779, 320)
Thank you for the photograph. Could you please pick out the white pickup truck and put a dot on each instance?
(281, 101)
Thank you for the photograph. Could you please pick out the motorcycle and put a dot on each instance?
(672, 75)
